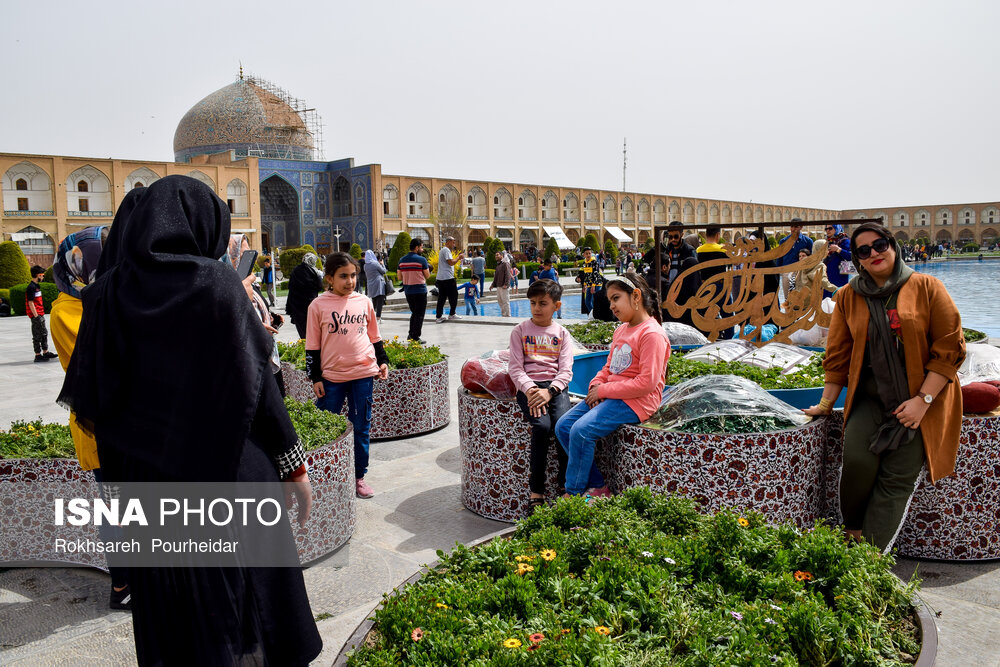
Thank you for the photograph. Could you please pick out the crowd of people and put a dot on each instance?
(125, 318)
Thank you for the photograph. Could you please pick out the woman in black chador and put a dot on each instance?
(171, 372)
(305, 283)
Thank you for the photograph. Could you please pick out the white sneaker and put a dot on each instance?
(439, 320)
(455, 317)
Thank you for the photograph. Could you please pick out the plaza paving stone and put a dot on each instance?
(59, 616)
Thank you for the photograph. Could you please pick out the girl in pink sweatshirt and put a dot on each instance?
(626, 391)
(344, 355)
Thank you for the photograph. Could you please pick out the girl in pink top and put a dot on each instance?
(344, 354)
(626, 391)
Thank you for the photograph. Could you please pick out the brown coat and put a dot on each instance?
(932, 340)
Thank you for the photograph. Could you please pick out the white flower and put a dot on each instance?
(774, 607)
(770, 620)
(668, 561)
(647, 554)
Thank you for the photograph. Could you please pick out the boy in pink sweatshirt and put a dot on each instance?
(541, 366)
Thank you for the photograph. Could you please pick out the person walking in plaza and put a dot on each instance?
(413, 271)
(267, 280)
(145, 333)
(501, 283)
(34, 306)
(626, 391)
(375, 272)
(589, 277)
(547, 271)
(802, 242)
(479, 270)
(541, 366)
(344, 355)
(838, 255)
(445, 281)
(75, 267)
(303, 285)
(896, 343)
(470, 294)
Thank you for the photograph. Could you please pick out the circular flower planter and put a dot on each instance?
(30, 486)
(778, 474)
(925, 619)
(958, 518)
(410, 402)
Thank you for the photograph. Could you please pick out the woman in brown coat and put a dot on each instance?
(896, 342)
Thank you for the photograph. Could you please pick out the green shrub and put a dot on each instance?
(355, 251)
(551, 248)
(5, 294)
(490, 272)
(14, 269)
(49, 294)
(315, 427)
(643, 579)
(399, 249)
(47, 278)
(431, 280)
(593, 332)
(290, 258)
(411, 354)
(530, 267)
(971, 247)
(610, 250)
(591, 241)
(35, 440)
(973, 335)
(565, 265)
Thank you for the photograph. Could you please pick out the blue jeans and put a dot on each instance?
(470, 305)
(577, 432)
(358, 394)
(482, 281)
(588, 299)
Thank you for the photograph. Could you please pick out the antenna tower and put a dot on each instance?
(624, 160)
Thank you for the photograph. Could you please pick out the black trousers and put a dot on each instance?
(447, 289)
(378, 302)
(543, 432)
(418, 308)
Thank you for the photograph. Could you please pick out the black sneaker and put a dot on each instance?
(39, 358)
(121, 600)
(49, 355)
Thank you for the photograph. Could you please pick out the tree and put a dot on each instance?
(449, 219)
(14, 269)
(490, 253)
(290, 258)
(611, 250)
(355, 251)
(399, 248)
(591, 241)
(551, 248)
(647, 244)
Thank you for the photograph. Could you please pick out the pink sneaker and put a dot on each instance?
(362, 489)
(602, 492)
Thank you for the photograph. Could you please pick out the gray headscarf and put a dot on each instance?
(309, 259)
(893, 387)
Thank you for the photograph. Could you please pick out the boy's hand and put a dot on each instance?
(318, 390)
(538, 397)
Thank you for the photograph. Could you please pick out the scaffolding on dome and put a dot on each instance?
(283, 133)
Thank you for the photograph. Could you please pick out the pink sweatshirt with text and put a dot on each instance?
(343, 329)
(540, 354)
(635, 367)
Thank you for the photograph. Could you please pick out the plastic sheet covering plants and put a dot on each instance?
(683, 334)
(982, 364)
(723, 404)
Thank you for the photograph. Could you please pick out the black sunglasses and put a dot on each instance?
(673, 237)
(829, 229)
(879, 246)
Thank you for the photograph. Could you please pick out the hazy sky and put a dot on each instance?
(839, 105)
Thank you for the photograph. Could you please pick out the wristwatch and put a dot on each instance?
(928, 399)
(553, 391)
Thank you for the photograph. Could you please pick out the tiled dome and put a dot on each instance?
(242, 116)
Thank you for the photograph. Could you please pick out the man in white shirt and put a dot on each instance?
(445, 281)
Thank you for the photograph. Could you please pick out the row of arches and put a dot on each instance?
(986, 236)
(923, 217)
(27, 188)
(419, 202)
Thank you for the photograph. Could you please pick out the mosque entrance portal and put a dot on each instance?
(279, 212)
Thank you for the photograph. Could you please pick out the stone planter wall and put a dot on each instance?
(28, 487)
(410, 402)
(778, 474)
(956, 519)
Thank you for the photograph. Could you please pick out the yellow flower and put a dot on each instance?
(743, 522)
(441, 605)
(31, 427)
(524, 559)
(548, 554)
(603, 630)
(512, 643)
(803, 576)
(524, 568)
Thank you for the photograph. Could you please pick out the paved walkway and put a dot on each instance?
(59, 616)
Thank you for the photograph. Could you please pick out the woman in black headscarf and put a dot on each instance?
(305, 283)
(167, 335)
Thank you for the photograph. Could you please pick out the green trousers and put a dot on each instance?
(875, 489)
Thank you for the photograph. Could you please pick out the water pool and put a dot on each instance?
(974, 286)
